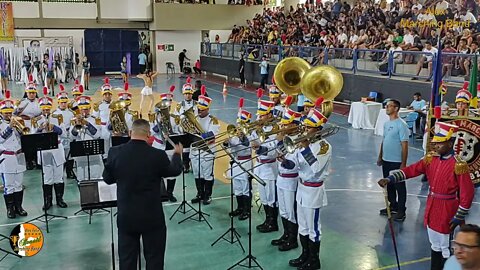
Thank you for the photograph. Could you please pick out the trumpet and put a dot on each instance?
(292, 144)
(248, 128)
(79, 123)
(19, 124)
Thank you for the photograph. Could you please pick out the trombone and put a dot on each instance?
(292, 144)
(231, 131)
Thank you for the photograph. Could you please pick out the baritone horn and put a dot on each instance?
(19, 124)
(289, 73)
(117, 117)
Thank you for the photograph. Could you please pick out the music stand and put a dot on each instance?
(4, 237)
(90, 199)
(41, 142)
(185, 140)
(87, 148)
(201, 215)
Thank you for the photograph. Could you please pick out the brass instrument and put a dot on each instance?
(71, 107)
(262, 135)
(163, 115)
(248, 128)
(79, 123)
(289, 73)
(96, 106)
(59, 118)
(19, 124)
(294, 130)
(117, 117)
(190, 124)
(322, 81)
(292, 144)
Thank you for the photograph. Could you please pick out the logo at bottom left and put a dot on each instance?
(26, 239)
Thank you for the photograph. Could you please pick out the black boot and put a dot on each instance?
(170, 188)
(69, 169)
(305, 252)
(199, 185)
(272, 223)
(208, 192)
(313, 262)
(10, 204)
(291, 242)
(18, 204)
(247, 204)
(59, 190)
(239, 209)
(267, 216)
(47, 190)
(437, 260)
(285, 235)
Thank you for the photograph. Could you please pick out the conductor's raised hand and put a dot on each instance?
(178, 149)
(383, 182)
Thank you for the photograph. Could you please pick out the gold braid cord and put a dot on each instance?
(461, 167)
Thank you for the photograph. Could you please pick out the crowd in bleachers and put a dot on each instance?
(409, 24)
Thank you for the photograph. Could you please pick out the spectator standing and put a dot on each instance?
(264, 72)
(181, 59)
(393, 156)
(142, 61)
(241, 70)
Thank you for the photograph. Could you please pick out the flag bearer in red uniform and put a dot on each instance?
(451, 190)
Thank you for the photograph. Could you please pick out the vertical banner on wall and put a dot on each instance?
(6, 27)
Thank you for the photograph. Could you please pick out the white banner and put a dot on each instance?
(44, 41)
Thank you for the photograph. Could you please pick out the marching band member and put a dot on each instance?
(13, 160)
(313, 161)
(67, 115)
(462, 103)
(77, 91)
(85, 127)
(158, 129)
(28, 108)
(307, 105)
(184, 105)
(287, 180)
(52, 160)
(240, 146)
(451, 190)
(130, 115)
(102, 110)
(268, 170)
(275, 96)
(204, 173)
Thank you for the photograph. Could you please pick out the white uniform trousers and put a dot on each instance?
(240, 186)
(206, 165)
(440, 242)
(53, 174)
(267, 193)
(96, 167)
(286, 204)
(309, 222)
(12, 182)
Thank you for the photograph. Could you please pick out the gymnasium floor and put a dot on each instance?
(354, 235)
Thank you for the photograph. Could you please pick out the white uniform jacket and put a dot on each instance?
(211, 126)
(28, 109)
(288, 176)
(53, 157)
(104, 114)
(12, 160)
(242, 152)
(313, 165)
(159, 140)
(267, 156)
(67, 119)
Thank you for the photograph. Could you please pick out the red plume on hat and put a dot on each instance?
(77, 82)
(45, 91)
(240, 102)
(189, 79)
(273, 80)
(172, 88)
(107, 81)
(125, 86)
(465, 85)
(437, 112)
(319, 102)
(288, 101)
(7, 94)
(30, 78)
(80, 88)
(203, 90)
(259, 93)
(62, 88)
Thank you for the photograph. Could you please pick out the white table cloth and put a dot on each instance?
(364, 114)
(383, 118)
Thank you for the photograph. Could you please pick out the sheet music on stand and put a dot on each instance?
(87, 148)
(184, 139)
(97, 194)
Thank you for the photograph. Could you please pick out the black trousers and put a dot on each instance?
(242, 78)
(180, 63)
(394, 189)
(154, 243)
(197, 71)
(142, 69)
(264, 80)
